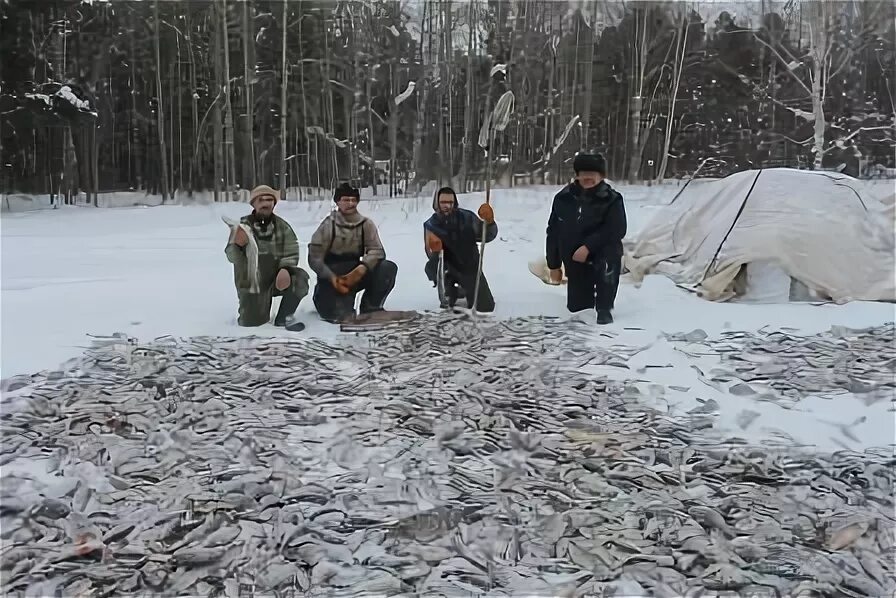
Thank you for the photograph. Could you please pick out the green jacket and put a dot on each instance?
(278, 248)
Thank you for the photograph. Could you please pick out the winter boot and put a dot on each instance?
(288, 306)
(604, 316)
(454, 293)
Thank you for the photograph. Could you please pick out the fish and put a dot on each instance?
(251, 253)
(497, 458)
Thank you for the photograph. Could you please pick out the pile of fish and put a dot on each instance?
(450, 457)
(791, 367)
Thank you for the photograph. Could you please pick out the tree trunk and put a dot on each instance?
(820, 49)
(160, 111)
(637, 101)
(589, 84)
(229, 175)
(371, 147)
(284, 79)
(678, 67)
(470, 109)
(217, 132)
(393, 129)
(248, 75)
(194, 103)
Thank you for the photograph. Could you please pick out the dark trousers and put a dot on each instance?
(376, 286)
(466, 281)
(255, 308)
(592, 285)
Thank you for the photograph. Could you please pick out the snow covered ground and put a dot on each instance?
(158, 271)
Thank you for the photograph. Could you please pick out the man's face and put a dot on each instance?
(264, 205)
(588, 179)
(446, 203)
(347, 204)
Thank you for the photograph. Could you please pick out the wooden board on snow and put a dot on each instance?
(376, 320)
(539, 269)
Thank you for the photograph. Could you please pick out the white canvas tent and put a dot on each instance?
(806, 229)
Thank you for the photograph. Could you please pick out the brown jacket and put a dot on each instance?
(349, 232)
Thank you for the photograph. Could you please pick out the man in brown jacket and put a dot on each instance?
(348, 257)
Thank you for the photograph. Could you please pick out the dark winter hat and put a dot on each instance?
(435, 198)
(590, 163)
(346, 190)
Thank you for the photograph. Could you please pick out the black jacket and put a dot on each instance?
(460, 232)
(594, 217)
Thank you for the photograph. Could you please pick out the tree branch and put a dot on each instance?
(851, 135)
(784, 62)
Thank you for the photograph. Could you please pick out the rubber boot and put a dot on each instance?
(288, 306)
(604, 316)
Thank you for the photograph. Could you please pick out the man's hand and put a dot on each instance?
(486, 213)
(556, 276)
(239, 237)
(354, 277)
(337, 283)
(283, 279)
(581, 254)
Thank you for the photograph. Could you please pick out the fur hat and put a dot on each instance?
(346, 190)
(263, 191)
(590, 163)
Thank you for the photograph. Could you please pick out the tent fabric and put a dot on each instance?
(815, 226)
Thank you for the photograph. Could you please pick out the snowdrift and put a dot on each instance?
(814, 228)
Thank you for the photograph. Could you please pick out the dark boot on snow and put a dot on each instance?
(604, 316)
(284, 318)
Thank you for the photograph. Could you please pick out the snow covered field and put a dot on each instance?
(159, 271)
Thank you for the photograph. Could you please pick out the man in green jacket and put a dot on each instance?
(267, 264)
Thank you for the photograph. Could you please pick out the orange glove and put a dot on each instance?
(354, 277)
(340, 287)
(556, 276)
(433, 243)
(487, 213)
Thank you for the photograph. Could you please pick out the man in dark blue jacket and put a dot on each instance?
(584, 235)
(455, 232)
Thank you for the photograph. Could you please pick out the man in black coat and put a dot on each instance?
(584, 235)
(455, 232)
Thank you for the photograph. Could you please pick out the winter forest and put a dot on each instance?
(219, 95)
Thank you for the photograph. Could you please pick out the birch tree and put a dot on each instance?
(813, 70)
(681, 42)
(284, 82)
(160, 111)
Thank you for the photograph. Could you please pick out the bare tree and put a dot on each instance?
(284, 82)
(160, 112)
(248, 78)
(229, 175)
(681, 42)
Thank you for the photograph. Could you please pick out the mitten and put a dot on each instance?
(433, 242)
(339, 285)
(487, 213)
(354, 277)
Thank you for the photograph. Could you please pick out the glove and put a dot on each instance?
(340, 286)
(354, 277)
(557, 276)
(487, 213)
(433, 243)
